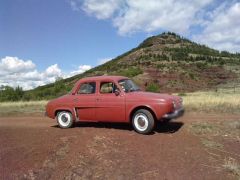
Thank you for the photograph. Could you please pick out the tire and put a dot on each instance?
(65, 119)
(143, 121)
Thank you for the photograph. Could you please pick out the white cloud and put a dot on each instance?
(17, 72)
(131, 16)
(102, 9)
(15, 65)
(53, 71)
(104, 60)
(211, 22)
(222, 30)
(81, 69)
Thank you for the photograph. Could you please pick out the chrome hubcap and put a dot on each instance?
(64, 119)
(141, 122)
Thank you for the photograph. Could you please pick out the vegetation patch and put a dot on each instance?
(153, 87)
(211, 144)
(22, 107)
(232, 166)
(130, 72)
(204, 128)
(222, 101)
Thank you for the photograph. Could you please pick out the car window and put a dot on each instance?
(107, 87)
(128, 85)
(87, 88)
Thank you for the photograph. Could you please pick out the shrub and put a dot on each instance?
(153, 87)
(130, 72)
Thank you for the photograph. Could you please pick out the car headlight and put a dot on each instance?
(174, 105)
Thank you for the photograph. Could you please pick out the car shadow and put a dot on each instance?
(168, 127)
(161, 127)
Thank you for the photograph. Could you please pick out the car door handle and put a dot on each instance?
(98, 99)
(76, 99)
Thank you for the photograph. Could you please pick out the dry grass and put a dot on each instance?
(211, 144)
(232, 166)
(22, 107)
(204, 128)
(223, 101)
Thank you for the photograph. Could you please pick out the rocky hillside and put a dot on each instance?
(164, 63)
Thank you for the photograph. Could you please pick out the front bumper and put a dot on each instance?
(177, 113)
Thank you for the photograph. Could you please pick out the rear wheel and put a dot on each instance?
(143, 121)
(64, 119)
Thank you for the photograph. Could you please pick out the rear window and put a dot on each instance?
(87, 88)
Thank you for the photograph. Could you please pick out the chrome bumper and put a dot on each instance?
(177, 113)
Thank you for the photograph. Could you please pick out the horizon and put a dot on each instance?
(42, 41)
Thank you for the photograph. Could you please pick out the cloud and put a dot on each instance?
(211, 22)
(104, 60)
(222, 30)
(53, 71)
(130, 16)
(81, 69)
(17, 72)
(102, 9)
(15, 65)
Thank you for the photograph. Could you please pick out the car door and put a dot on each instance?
(85, 101)
(109, 106)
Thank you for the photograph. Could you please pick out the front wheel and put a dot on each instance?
(143, 121)
(65, 119)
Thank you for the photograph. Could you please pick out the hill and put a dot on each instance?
(165, 63)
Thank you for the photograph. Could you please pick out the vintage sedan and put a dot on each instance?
(113, 99)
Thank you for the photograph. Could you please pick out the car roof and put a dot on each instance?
(103, 78)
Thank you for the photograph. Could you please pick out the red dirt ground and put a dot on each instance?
(35, 148)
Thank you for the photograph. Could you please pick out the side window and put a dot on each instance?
(107, 87)
(87, 88)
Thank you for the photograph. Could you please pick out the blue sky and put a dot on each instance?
(41, 40)
(50, 32)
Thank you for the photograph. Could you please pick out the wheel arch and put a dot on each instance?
(65, 109)
(142, 107)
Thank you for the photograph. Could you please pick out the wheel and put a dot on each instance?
(65, 119)
(143, 121)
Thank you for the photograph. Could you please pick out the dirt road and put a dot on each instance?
(36, 148)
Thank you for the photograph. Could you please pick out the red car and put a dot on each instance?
(113, 99)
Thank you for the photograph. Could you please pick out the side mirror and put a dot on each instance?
(117, 92)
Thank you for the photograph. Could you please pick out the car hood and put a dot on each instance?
(150, 95)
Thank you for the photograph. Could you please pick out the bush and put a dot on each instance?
(130, 72)
(153, 87)
(182, 94)
(8, 93)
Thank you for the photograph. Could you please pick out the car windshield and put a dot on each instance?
(128, 85)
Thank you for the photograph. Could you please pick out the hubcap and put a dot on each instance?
(141, 122)
(64, 119)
